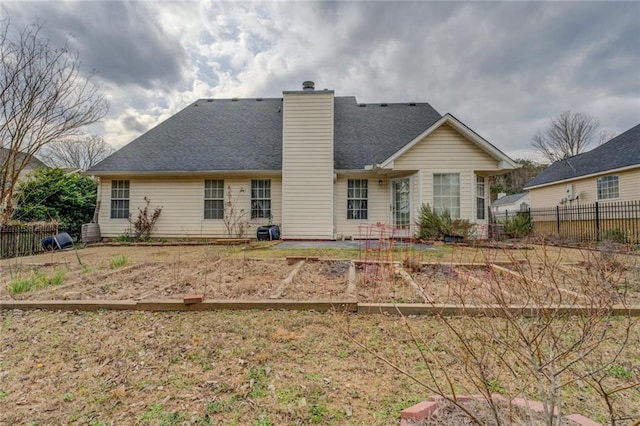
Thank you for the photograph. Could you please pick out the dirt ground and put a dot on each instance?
(232, 367)
(227, 273)
(260, 368)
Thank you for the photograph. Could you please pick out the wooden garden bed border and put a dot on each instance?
(405, 309)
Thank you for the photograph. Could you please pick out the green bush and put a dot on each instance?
(56, 195)
(435, 226)
(518, 226)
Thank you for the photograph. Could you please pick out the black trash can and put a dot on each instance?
(268, 233)
(58, 242)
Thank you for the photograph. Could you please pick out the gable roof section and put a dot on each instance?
(367, 134)
(246, 135)
(506, 162)
(621, 152)
(508, 199)
(217, 134)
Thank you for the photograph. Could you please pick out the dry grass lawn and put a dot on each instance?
(239, 367)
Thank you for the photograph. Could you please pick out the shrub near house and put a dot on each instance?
(55, 195)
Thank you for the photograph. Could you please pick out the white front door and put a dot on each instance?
(401, 203)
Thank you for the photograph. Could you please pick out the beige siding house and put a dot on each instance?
(608, 173)
(320, 166)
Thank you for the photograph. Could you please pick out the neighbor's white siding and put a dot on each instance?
(587, 190)
(447, 151)
(307, 166)
(182, 201)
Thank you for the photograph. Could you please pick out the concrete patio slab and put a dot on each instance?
(351, 244)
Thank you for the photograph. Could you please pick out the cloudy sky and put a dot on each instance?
(502, 68)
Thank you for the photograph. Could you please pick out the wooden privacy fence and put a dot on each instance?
(24, 240)
(619, 222)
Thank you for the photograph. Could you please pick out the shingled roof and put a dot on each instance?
(620, 152)
(33, 163)
(508, 199)
(246, 134)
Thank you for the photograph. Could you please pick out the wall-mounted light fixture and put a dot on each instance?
(380, 182)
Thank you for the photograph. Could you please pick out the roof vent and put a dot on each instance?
(234, 99)
(383, 105)
(308, 85)
(412, 104)
(362, 105)
(210, 100)
(258, 99)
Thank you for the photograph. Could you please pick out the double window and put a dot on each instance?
(357, 197)
(608, 187)
(260, 198)
(446, 193)
(214, 199)
(119, 199)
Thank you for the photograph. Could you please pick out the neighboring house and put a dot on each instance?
(511, 203)
(32, 164)
(319, 166)
(610, 172)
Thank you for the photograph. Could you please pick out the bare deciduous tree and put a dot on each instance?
(44, 97)
(77, 153)
(605, 136)
(568, 134)
(540, 329)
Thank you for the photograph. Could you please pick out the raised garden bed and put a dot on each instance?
(309, 279)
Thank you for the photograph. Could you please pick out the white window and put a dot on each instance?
(480, 198)
(214, 199)
(357, 196)
(119, 199)
(608, 187)
(260, 198)
(446, 193)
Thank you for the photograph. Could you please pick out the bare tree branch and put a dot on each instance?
(568, 134)
(44, 97)
(605, 135)
(77, 153)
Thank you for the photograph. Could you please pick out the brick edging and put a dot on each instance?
(424, 409)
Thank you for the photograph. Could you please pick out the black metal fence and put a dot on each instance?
(25, 239)
(619, 222)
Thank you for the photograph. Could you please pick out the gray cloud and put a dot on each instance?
(503, 68)
(132, 123)
(121, 41)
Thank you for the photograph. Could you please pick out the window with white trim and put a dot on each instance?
(260, 198)
(446, 193)
(608, 187)
(357, 198)
(214, 199)
(119, 199)
(480, 198)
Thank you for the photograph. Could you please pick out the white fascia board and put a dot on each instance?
(504, 161)
(572, 179)
(364, 171)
